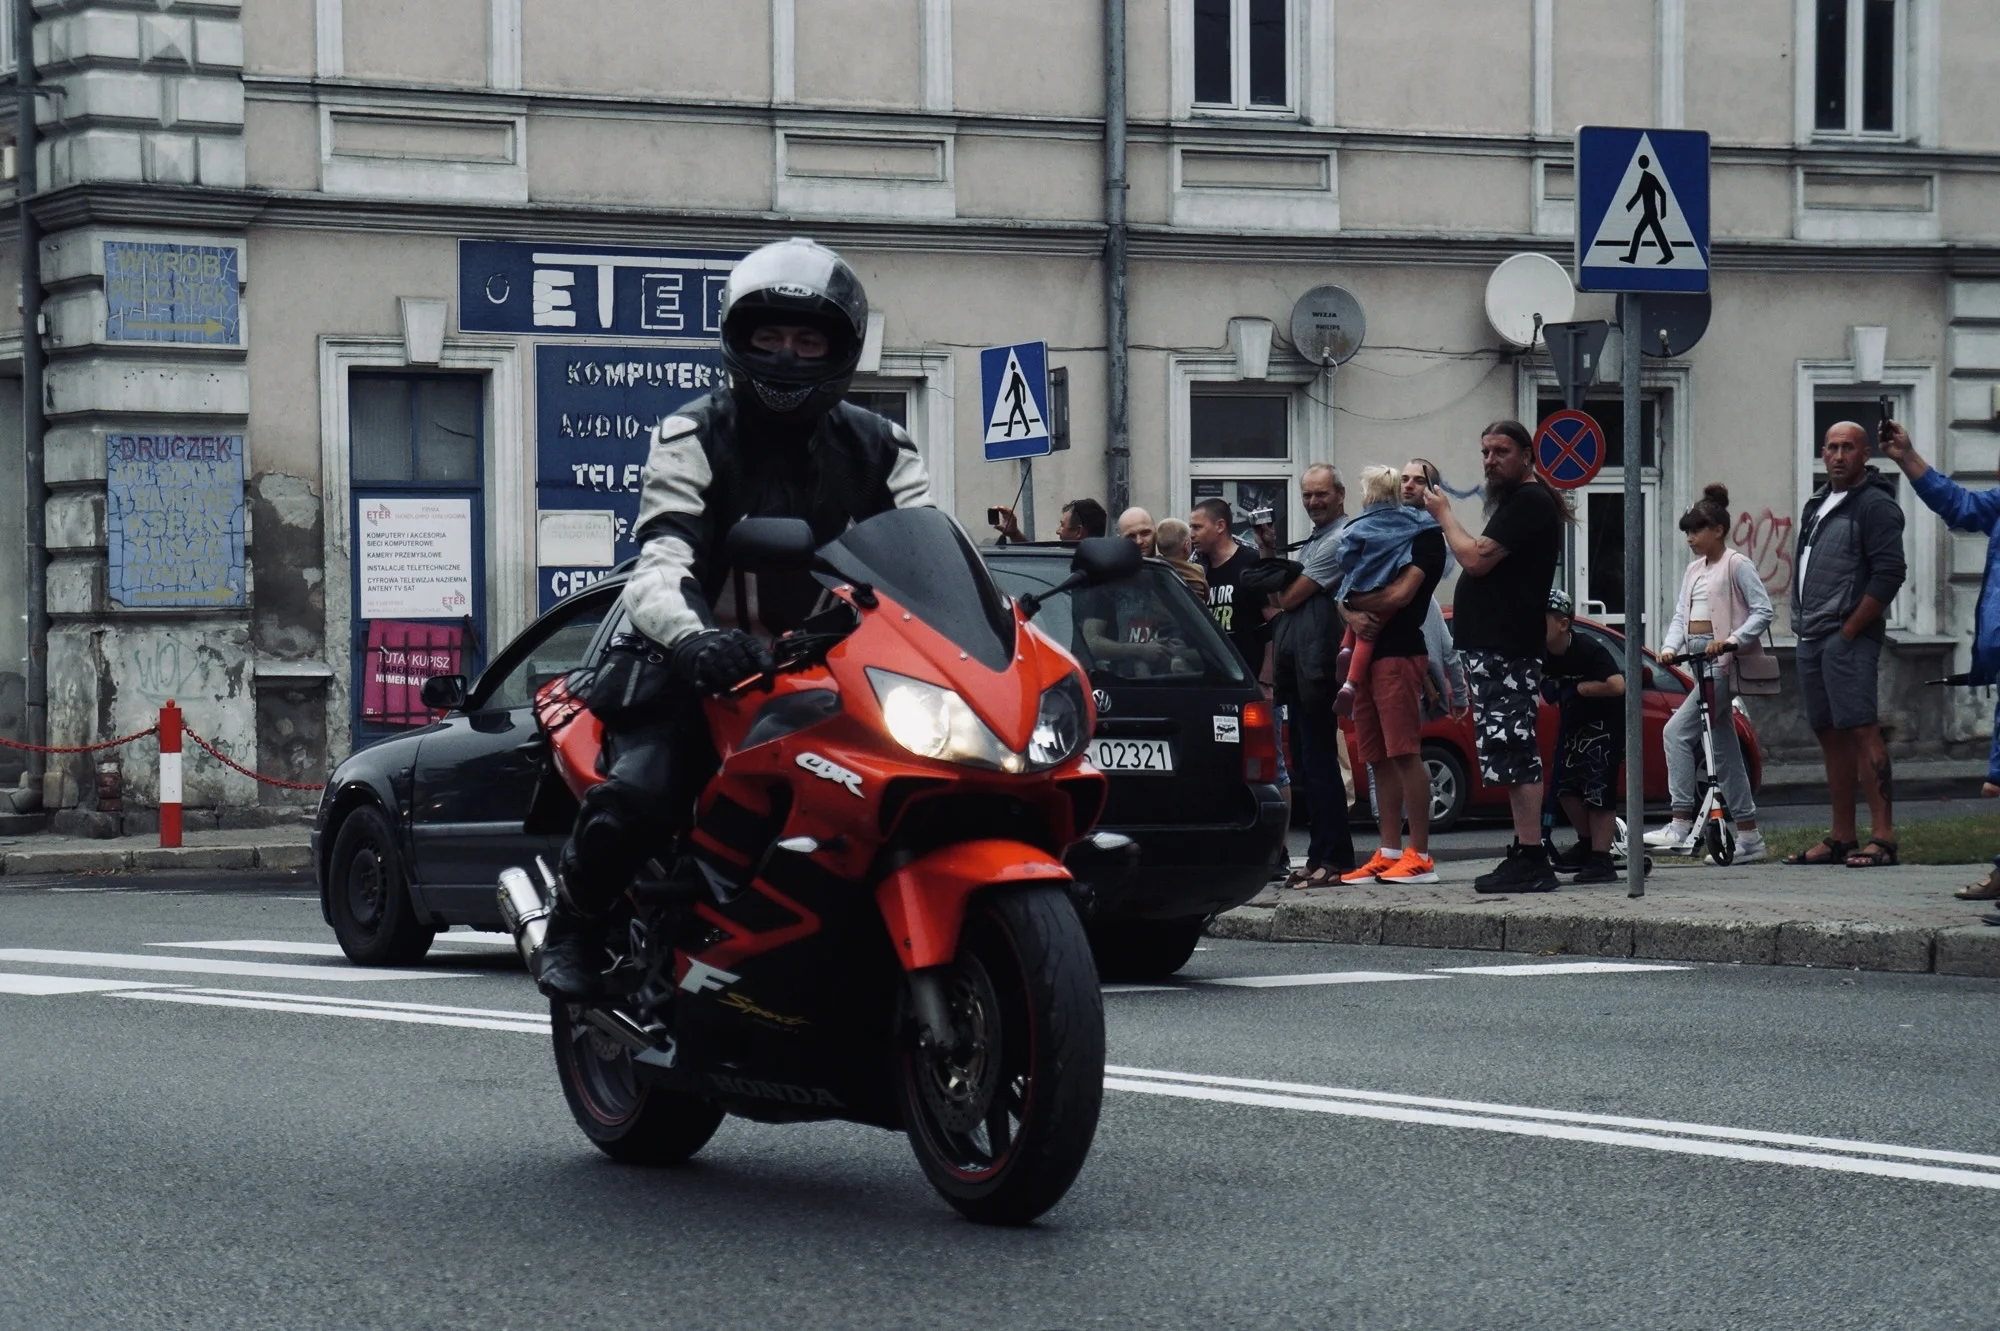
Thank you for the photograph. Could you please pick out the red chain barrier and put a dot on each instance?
(230, 762)
(80, 748)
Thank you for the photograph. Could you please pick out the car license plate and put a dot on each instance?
(1132, 755)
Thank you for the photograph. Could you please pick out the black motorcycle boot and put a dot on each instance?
(570, 964)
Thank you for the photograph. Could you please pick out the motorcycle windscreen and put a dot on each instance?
(923, 560)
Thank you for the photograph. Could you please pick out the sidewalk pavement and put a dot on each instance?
(1898, 919)
(282, 847)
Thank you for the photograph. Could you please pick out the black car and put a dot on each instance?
(412, 832)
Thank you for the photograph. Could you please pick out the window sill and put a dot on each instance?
(1203, 111)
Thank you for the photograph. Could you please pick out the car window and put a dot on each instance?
(1145, 627)
(1664, 680)
(554, 645)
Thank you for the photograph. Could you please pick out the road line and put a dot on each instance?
(340, 1009)
(510, 1014)
(1145, 988)
(45, 985)
(214, 966)
(1845, 1164)
(1559, 968)
(1751, 1135)
(281, 947)
(1322, 977)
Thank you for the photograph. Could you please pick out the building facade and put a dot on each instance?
(356, 311)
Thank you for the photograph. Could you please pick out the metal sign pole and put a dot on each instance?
(1027, 514)
(1635, 609)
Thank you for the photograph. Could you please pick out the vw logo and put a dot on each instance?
(1102, 697)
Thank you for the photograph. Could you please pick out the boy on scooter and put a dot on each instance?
(1581, 677)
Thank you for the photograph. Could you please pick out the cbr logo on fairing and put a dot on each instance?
(828, 770)
(775, 1090)
(702, 977)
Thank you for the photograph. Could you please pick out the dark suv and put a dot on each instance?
(413, 832)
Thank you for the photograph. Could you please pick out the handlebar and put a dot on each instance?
(1683, 658)
(792, 651)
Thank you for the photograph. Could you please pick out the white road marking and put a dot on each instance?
(1145, 988)
(280, 947)
(343, 1000)
(119, 961)
(1322, 977)
(1558, 968)
(62, 984)
(480, 937)
(1738, 1143)
(526, 1022)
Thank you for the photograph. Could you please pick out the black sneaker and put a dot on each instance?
(1526, 869)
(1598, 868)
(1571, 860)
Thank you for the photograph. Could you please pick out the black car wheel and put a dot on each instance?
(373, 919)
(1451, 785)
(1136, 950)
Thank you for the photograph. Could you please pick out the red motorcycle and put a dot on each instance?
(870, 918)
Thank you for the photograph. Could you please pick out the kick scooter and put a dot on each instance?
(1713, 828)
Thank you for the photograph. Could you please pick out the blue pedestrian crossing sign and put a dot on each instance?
(1014, 393)
(1641, 209)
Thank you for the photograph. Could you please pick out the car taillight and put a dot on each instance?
(1260, 742)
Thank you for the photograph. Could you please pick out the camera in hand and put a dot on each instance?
(1259, 517)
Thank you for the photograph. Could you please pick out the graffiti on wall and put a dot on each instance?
(1766, 541)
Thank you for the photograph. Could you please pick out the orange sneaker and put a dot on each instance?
(1372, 870)
(1412, 868)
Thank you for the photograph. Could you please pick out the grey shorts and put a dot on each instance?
(1837, 680)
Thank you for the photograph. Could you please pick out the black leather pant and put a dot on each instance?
(657, 768)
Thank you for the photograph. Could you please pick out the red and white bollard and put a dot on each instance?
(170, 775)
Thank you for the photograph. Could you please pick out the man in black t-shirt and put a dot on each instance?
(1226, 560)
(1587, 682)
(1497, 623)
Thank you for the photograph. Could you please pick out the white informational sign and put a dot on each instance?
(576, 538)
(414, 558)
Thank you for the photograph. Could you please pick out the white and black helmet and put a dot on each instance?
(802, 282)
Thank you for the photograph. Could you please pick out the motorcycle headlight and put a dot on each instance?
(934, 722)
(1058, 725)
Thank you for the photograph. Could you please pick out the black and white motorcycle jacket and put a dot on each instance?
(703, 476)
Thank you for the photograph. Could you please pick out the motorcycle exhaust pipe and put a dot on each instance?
(526, 913)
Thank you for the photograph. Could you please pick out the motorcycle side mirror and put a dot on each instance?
(771, 545)
(442, 693)
(1103, 558)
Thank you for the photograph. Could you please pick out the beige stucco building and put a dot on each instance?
(256, 219)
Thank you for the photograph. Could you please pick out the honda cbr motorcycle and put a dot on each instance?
(870, 918)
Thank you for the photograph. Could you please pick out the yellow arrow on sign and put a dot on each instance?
(209, 326)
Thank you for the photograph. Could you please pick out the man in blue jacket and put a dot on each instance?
(1965, 511)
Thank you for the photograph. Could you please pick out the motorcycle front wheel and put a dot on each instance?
(1002, 1121)
(632, 1122)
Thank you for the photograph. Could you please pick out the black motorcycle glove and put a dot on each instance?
(715, 662)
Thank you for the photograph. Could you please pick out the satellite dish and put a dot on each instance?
(1670, 323)
(1525, 290)
(1327, 325)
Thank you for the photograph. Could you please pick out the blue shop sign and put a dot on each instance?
(157, 291)
(595, 409)
(567, 290)
(174, 520)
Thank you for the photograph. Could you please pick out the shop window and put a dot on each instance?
(1830, 407)
(1858, 67)
(415, 430)
(1242, 54)
(1240, 451)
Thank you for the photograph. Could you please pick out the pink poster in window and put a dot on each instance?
(400, 657)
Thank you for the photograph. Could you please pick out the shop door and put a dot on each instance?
(418, 547)
(1597, 543)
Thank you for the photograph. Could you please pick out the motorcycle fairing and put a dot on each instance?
(923, 903)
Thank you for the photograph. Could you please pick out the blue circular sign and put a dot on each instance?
(1569, 449)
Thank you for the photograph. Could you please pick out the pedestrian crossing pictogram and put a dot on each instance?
(1014, 394)
(1642, 210)
(1646, 224)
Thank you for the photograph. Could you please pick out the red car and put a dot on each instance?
(1453, 763)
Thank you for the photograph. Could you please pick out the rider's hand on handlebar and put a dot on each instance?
(1716, 649)
(716, 662)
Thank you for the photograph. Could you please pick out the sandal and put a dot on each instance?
(1838, 851)
(1987, 889)
(1324, 875)
(1297, 877)
(1877, 854)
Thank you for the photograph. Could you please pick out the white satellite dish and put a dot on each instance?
(1328, 325)
(1527, 290)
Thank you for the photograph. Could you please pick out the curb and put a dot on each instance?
(112, 859)
(1842, 944)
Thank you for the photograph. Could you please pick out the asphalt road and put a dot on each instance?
(260, 1148)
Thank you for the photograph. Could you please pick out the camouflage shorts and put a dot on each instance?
(1506, 698)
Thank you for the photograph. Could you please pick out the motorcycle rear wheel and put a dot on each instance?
(629, 1120)
(1002, 1123)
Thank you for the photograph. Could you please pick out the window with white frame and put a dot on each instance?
(1243, 55)
(1860, 66)
(1240, 451)
(1833, 403)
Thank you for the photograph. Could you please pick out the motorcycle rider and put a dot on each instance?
(776, 441)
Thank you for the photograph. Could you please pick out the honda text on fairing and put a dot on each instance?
(870, 919)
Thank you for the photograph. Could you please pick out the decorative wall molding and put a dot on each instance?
(784, 53)
(937, 55)
(1670, 64)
